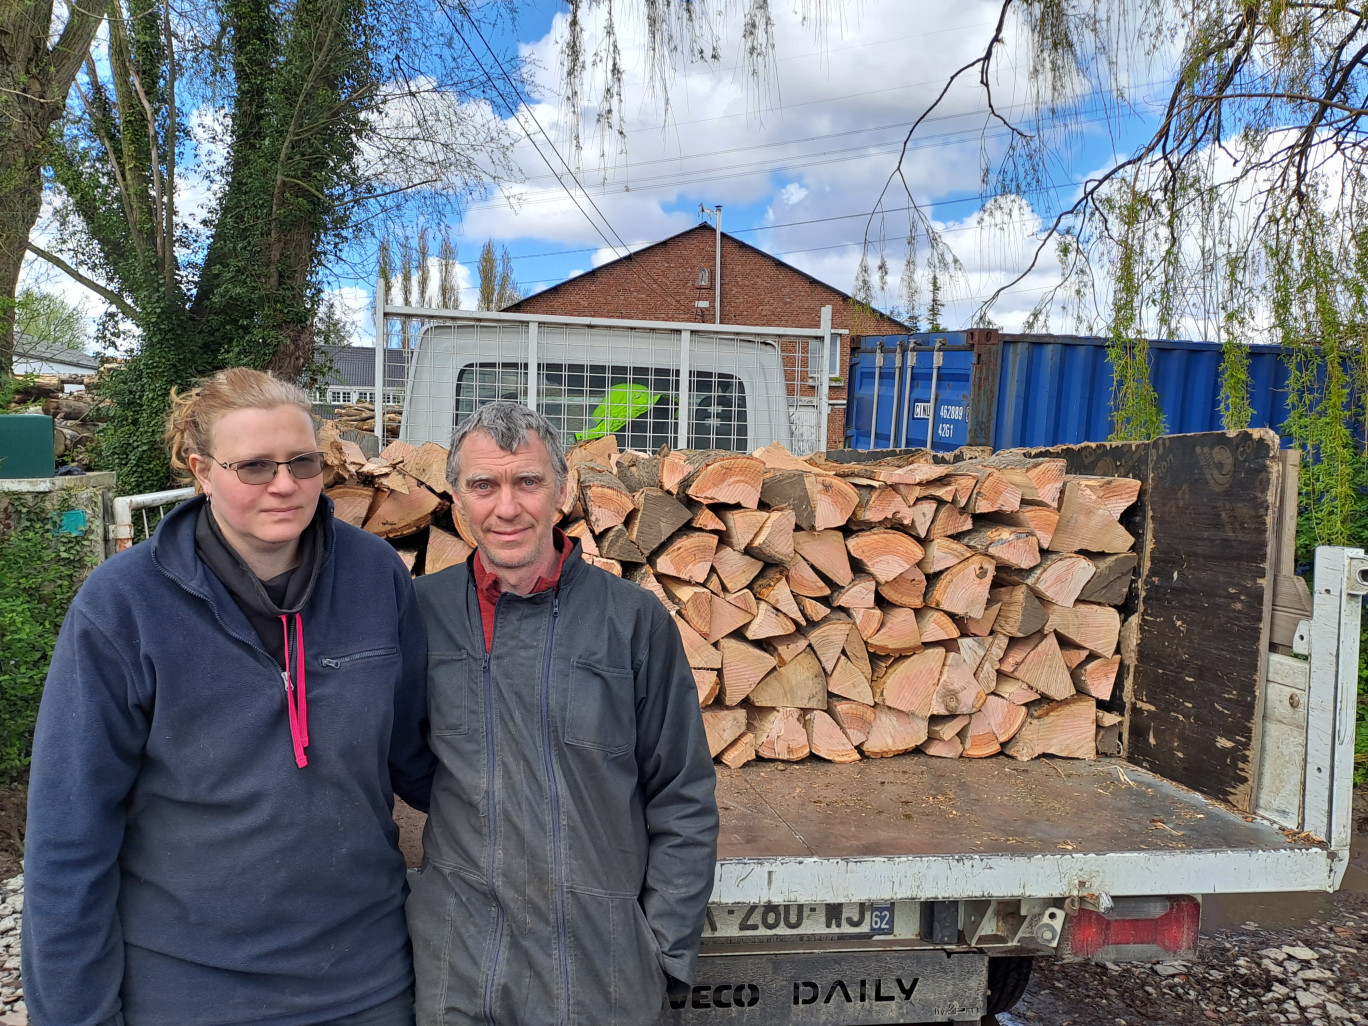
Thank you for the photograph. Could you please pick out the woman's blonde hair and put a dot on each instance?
(190, 424)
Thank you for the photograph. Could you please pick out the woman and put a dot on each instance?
(229, 709)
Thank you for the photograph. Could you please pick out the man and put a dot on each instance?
(570, 846)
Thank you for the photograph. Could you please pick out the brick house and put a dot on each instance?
(675, 280)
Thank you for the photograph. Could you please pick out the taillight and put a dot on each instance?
(1137, 929)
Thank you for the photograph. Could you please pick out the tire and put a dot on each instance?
(1008, 976)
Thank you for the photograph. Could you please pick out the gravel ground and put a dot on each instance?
(1316, 974)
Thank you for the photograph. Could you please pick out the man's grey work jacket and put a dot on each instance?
(569, 851)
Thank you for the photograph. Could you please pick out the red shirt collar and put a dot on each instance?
(489, 585)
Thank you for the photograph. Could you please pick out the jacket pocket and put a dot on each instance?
(601, 713)
(448, 692)
(345, 661)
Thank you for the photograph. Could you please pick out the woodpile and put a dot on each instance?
(361, 417)
(838, 610)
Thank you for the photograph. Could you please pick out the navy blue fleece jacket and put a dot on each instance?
(180, 868)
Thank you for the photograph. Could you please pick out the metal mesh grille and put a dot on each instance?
(650, 386)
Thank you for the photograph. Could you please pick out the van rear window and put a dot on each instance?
(644, 407)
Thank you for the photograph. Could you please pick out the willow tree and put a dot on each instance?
(41, 50)
(311, 118)
(1241, 214)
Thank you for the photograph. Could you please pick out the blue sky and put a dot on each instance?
(796, 167)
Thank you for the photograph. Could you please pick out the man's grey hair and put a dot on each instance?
(508, 424)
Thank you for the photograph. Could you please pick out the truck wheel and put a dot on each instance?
(1007, 979)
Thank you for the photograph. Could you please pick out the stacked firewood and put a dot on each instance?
(75, 414)
(841, 610)
(361, 417)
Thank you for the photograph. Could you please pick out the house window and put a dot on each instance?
(341, 396)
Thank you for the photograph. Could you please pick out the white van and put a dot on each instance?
(742, 389)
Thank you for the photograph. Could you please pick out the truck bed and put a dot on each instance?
(921, 827)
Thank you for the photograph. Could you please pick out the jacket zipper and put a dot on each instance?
(369, 654)
(548, 755)
(491, 844)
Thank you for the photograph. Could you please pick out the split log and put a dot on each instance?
(963, 589)
(1059, 577)
(978, 738)
(686, 555)
(604, 451)
(656, 515)
(893, 732)
(700, 655)
(828, 638)
(880, 504)
(769, 623)
(1086, 524)
(855, 718)
(773, 542)
(803, 580)
(942, 748)
(1065, 728)
(1097, 677)
(845, 680)
(995, 492)
(776, 457)
(351, 503)
(941, 554)
(444, 549)
(1042, 520)
(909, 683)
(1096, 628)
(1010, 547)
(1014, 691)
(818, 501)
(867, 620)
(772, 586)
(799, 684)
(638, 470)
(705, 519)
(779, 734)
(1117, 494)
(428, 463)
(949, 519)
(897, 633)
(1037, 663)
(1073, 655)
(706, 683)
(825, 552)
(1111, 581)
(725, 616)
(858, 594)
(884, 552)
(743, 667)
(603, 498)
(735, 569)
(1021, 613)
(722, 727)
(943, 728)
(1040, 481)
(981, 626)
(908, 589)
(811, 609)
(1004, 717)
(401, 515)
(785, 647)
(614, 543)
(935, 625)
(673, 471)
(957, 691)
(580, 530)
(739, 752)
(695, 603)
(826, 739)
(739, 526)
(716, 475)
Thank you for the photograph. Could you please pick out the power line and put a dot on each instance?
(647, 278)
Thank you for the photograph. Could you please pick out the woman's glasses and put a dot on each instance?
(260, 472)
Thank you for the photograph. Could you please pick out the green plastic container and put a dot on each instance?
(26, 445)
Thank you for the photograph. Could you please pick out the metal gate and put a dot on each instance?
(683, 384)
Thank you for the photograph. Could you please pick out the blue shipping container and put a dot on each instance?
(982, 387)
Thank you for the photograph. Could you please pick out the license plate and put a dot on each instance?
(825, 919)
